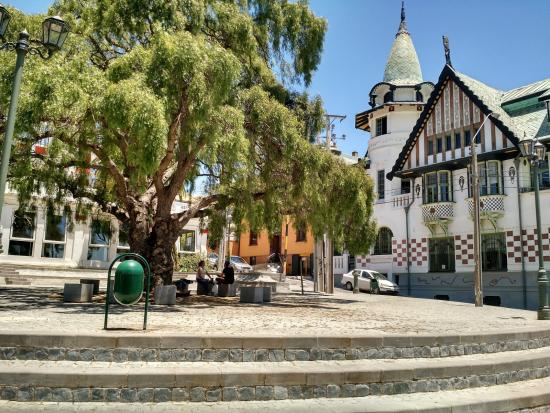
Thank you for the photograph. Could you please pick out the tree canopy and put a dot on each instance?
(151, 96)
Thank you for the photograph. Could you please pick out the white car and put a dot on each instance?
(364, 278)
(239, 264)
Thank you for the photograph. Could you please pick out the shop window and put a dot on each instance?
(493, 252)
(22, 233)
(54, 236)
(100, 238)
(382, 245)
(442, 254)
(187, 241)
(253, 238)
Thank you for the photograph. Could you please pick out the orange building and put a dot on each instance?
(255, 248)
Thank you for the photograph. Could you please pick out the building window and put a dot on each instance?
(430, 147)
(100, 237)
(438, 187)
(381, 183)
(382, 246)
(381, 126)
(22, 233)
(54, 236)
(478, 136)
(123, 245)
(467, 138)
(458, 140)
(388, 97)
(301, 235)
(442, 257)
(252, 260)
(448, 144)
(253, 238)
(493, 252)
(405, 186)
(544, 175)
(419, 97)
(439, 143)
(490, 178)
(187, 241)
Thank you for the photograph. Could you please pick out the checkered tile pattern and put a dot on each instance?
(361, 261)
(418, 253)
(464, 249)
(529, 248)
(399, 249)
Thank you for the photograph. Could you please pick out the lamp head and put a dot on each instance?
(5, 18)
(54, 33)
(540, 150)
(526, 146)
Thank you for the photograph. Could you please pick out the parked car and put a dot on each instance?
(382, 285)
(239, 264)
(273, 264)
(213, 260)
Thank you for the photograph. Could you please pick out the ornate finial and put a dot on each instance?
(403, 24)
(447, 51)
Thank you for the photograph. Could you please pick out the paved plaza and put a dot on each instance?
(344, 313)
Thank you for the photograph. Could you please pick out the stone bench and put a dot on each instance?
(78, 293)
(93, 282)
(255, 288)
(227, 290)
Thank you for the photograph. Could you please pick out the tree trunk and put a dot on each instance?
(161, 242)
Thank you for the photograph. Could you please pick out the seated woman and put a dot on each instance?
(203, 284)
(228, 274)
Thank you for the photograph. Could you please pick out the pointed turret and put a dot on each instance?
(403, 67)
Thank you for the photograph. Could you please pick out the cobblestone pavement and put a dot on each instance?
(42, 309)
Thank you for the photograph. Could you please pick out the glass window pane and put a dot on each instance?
(187, 241)
(493, 178)
(98, 253)
(53, 250)
(444, 195)
(100, 232)
(55, 227)
(20, 248)
(23, 225)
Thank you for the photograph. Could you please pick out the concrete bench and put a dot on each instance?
(255, 288)
(204, 289)
(78, 293)
(227, 290)
(92, 281)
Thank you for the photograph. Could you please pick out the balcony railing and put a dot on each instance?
(437, 211)
(489, 206)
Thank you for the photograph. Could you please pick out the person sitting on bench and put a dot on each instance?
(228, 274)
(205, 283)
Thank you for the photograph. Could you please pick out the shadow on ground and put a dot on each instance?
(23, 299)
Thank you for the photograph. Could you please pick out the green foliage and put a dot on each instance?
(190, 262)
(149, 97)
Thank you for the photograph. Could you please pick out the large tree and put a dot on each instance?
(154, 96)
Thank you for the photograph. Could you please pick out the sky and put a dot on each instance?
(503, 43)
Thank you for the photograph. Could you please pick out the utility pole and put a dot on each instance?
(478, 281)
(477, 227)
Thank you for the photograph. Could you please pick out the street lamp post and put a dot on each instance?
(535, 152)
(54, 34)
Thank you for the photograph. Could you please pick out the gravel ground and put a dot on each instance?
(344, 313)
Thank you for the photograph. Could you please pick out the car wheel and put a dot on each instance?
(349, 287)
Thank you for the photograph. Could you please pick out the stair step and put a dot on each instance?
(513, 397)
(258, 380)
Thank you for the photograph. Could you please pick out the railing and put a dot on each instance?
(437, 211)
(400, 201)
(340, 264)
(489, 205)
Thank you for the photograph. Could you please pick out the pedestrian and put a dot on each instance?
(228, 274)
(203, 283)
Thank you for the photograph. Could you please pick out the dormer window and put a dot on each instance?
(388, 97)
(419, 97)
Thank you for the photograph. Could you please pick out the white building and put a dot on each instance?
(430, 218)
(45, 237)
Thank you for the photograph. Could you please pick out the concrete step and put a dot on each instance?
(28, 380)
(527, 396)
(152, 346)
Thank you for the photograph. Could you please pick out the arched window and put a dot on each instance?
(382, 245)
(419, 97)
(388, 97)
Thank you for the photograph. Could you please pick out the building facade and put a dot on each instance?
(425, 223)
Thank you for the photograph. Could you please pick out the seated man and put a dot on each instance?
(228, 274)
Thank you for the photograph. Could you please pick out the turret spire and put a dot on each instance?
(403, 24)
